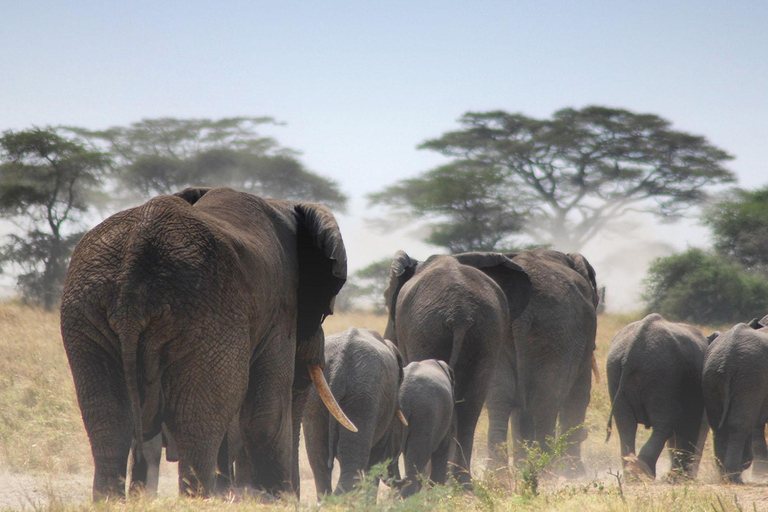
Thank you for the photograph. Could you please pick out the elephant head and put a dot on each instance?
(322, 272)
(580, 264)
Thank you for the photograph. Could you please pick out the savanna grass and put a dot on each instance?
(41, 433)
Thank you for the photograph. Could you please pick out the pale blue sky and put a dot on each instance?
(360, 84)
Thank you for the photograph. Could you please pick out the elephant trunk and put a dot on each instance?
(316, 373)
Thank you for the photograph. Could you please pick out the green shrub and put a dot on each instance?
(703, 288)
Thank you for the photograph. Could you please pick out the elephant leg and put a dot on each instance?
(760, 452)
(720, 447)
(106, 410)
(354, 450)
(627, 427)
(652, 448)
(467, 414)
(499, 403)
(735, 453)
(266, 419)
(439, 472)
(572, 415)
(683, 448)
(498, 426)
(298, 405)
(416, 457)
(145, 475)
(316, 439)
(203, 391)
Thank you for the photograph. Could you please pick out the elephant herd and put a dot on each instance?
(194, 322)
(669, 377)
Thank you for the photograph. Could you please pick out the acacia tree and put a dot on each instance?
(46, 183)
(740, 227)
(567, 177)
(162, 156)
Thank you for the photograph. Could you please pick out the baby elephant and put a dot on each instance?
(654, 378)
(426, 400)
(364, 372)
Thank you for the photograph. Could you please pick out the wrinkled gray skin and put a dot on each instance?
(735, 386)
(191, 309)
(543, 372)
(426, 400)
(452, 309)
(364, 372)
(654, 379)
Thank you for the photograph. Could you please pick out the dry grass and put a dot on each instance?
(42, 440)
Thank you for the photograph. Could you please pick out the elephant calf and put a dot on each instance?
(364, 372)
(426, 400)
(654, 378)
(735, 386)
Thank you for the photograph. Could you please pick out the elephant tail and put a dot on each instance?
(726, 400)
(619, 391)
(458, 342)
(128, 333)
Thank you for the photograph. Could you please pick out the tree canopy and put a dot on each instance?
(560, 180)
(740, 227)
(162, 156)
(705, 288)
(46, 182)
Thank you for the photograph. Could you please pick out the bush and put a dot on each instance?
(700, 287)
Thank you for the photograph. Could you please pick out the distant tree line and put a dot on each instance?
(53, 178)
(510, 181)
(726, 284)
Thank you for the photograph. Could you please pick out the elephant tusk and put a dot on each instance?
(595, 370)
(401, 417)
(327, 397)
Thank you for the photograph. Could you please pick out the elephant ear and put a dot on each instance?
(402, 269)
(582, 266)
(193, 194)
(322, 272)
(511, 278)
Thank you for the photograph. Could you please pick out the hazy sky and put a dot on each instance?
(360, 84)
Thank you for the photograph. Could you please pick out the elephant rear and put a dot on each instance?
(735, 386)
(654, 378)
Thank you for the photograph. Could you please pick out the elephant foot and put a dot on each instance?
(734, 478)
(635, 470)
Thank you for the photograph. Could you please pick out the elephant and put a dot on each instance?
(426, 400)
(451, 308)
(193, 308)
(654, 378)
(364, 372)
(543, 371)
(735, 387)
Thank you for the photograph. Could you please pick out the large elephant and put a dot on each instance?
(735, 386)
(543, 372)
(426, 400)
(364, 372)
(654, 378)
(452, 309)
(191, 309)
